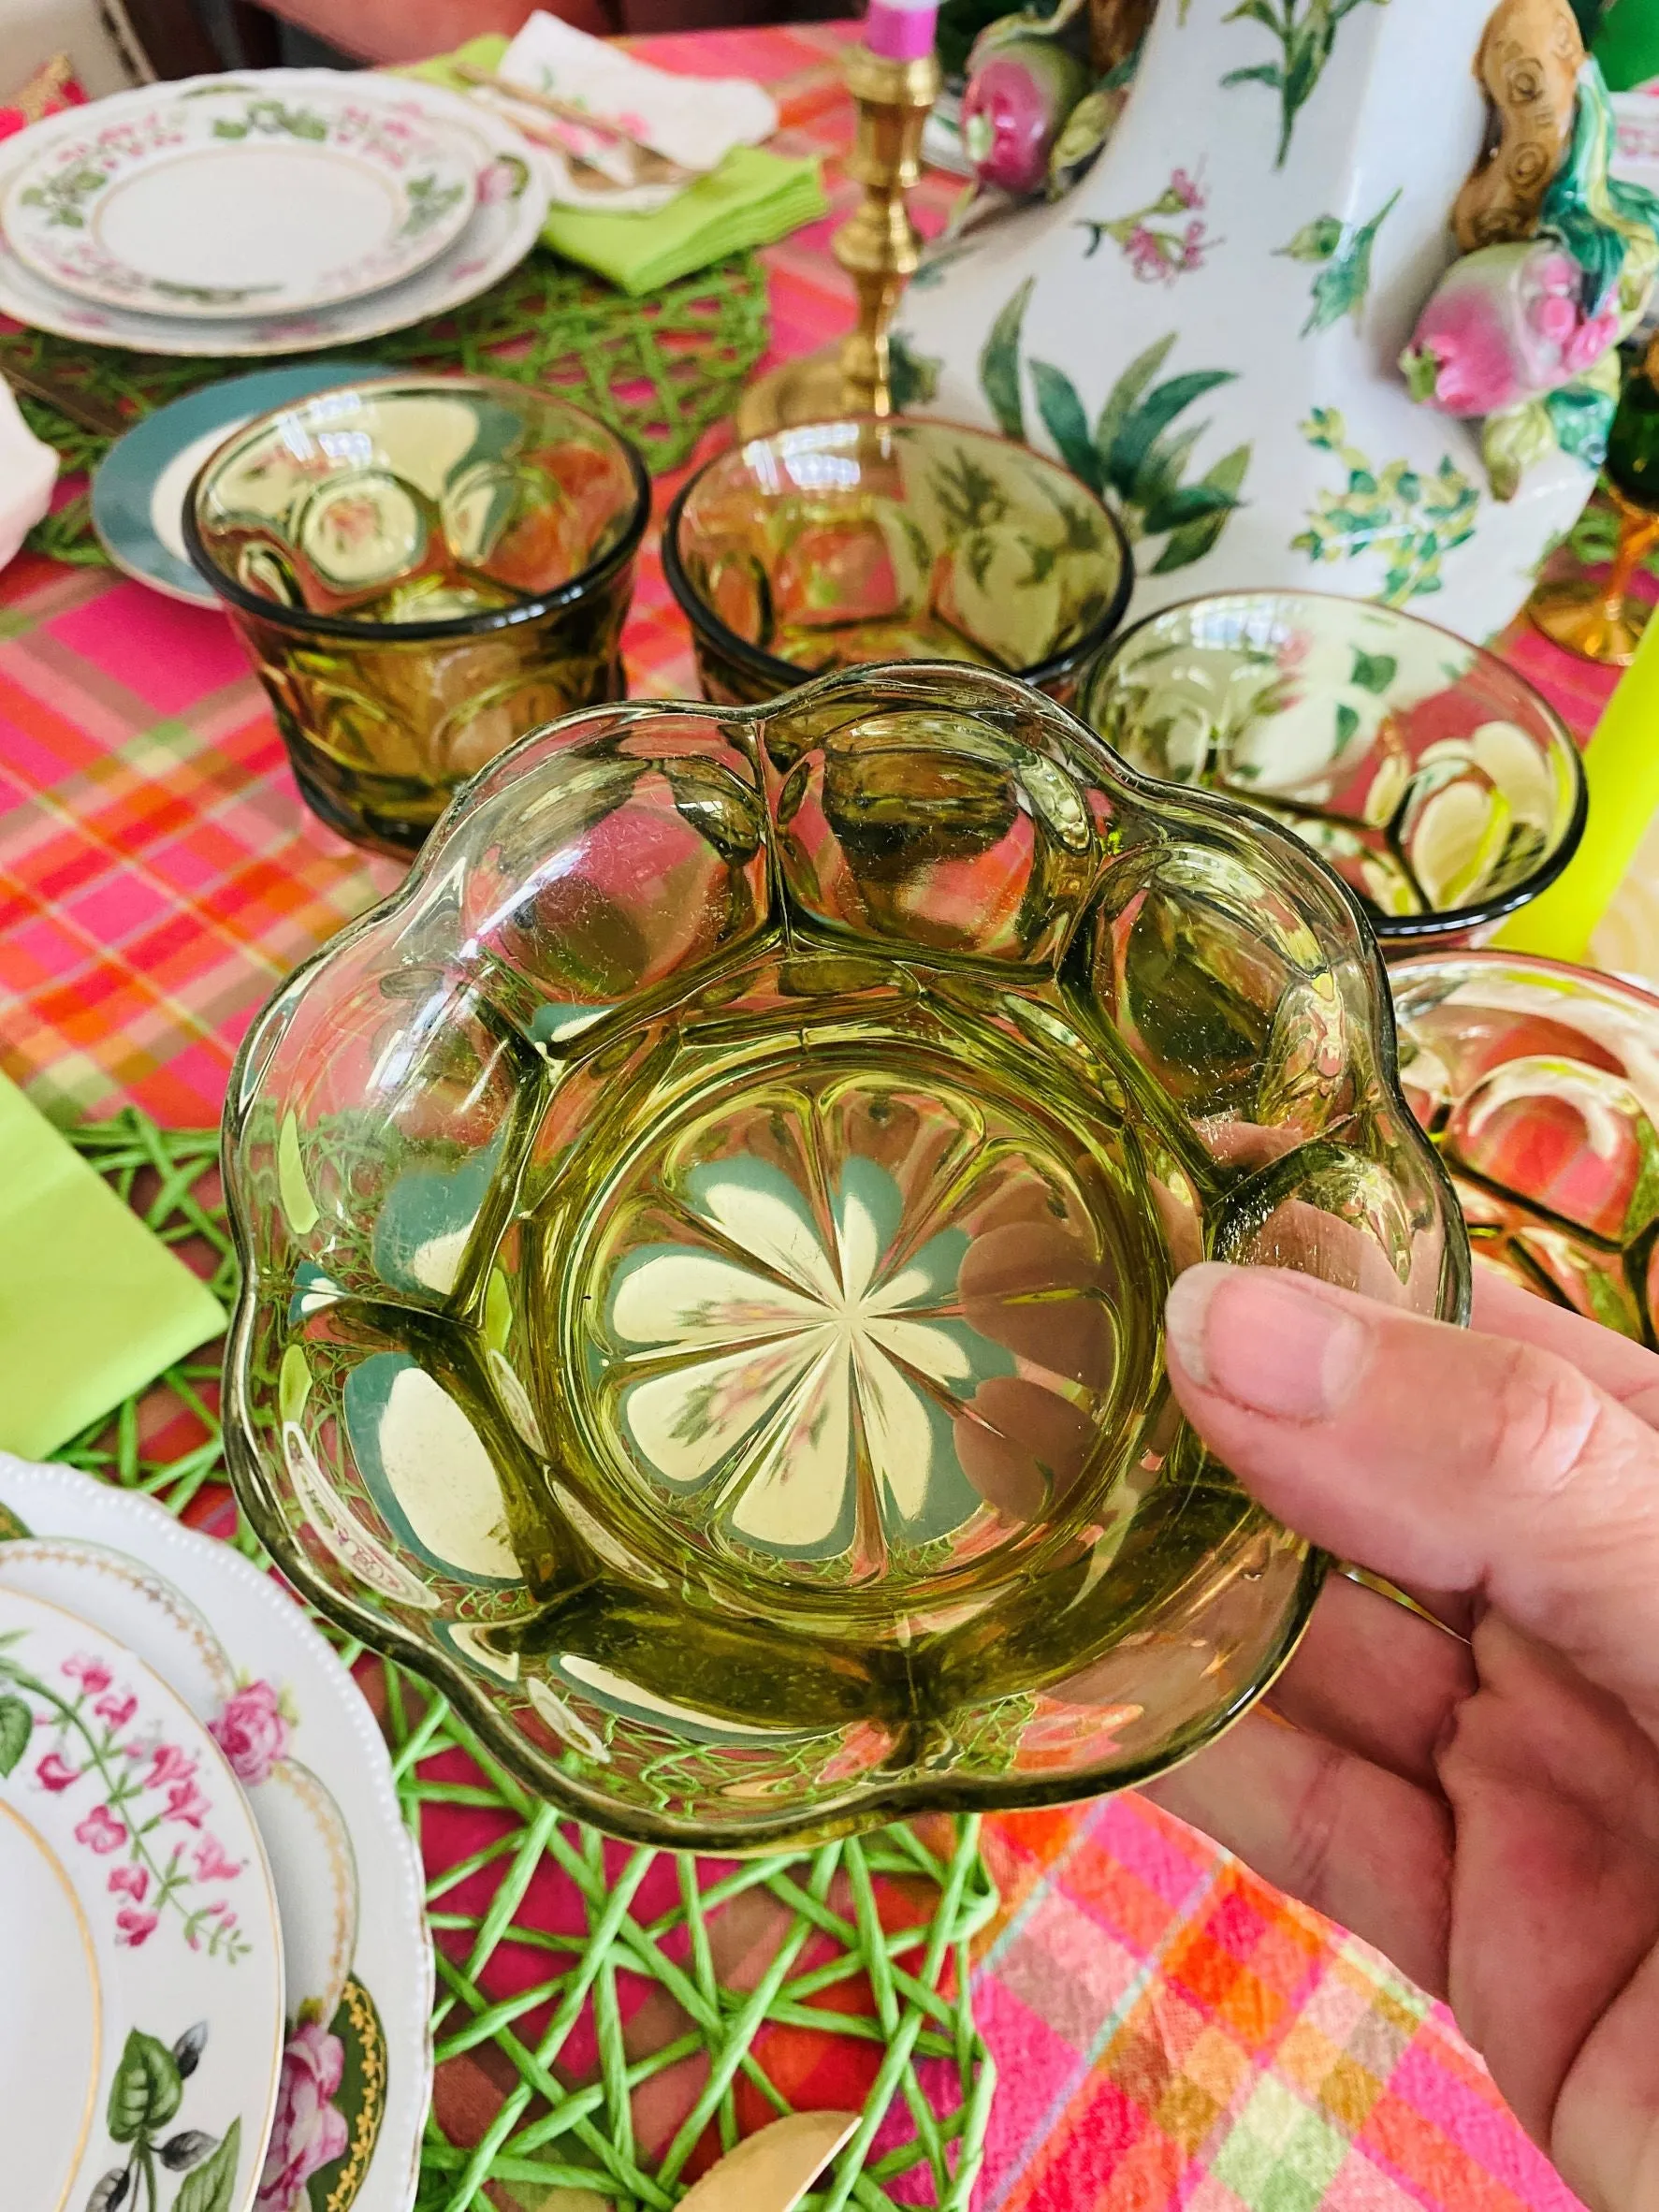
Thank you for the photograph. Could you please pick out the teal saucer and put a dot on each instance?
(139, 486)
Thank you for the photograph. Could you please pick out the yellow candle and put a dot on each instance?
(1622, 766)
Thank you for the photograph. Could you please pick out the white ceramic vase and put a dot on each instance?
(1216, 314)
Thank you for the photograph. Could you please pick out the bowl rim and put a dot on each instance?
(1413, 930)
(787, 676)
(1414, 967)
(901, 1798)
(311, 624)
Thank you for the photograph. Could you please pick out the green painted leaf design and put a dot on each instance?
(1194, 539)
(1413, 523)
(1316, 241)
(213, 2186)
(1134, 441)
(1580, 417)
(187, 2148)
(146, 2089)
(1159, 478)
(17, 1725)
(912, 378)
(1348, 724)
(1000, 364)
(1305, 43)
(1374, 672)
(1191, 503)
(1341, 285)
(1511, 441)
(1126, 393)
(1062, 413)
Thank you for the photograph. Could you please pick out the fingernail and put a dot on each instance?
(1267, 1340)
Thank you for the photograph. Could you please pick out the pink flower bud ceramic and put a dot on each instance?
(1503, 324)
(1019, 95)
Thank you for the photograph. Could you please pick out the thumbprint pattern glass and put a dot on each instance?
(422, 570)
(838, 543)
(705, 1243)
(1426, 771)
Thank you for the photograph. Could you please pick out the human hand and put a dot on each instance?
(1484, 1810)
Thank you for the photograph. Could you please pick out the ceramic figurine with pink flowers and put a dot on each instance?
(1295, 342)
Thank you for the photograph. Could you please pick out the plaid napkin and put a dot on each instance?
(750, 199)
(91, 1305)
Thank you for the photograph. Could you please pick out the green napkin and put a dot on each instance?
(752, 199)
(91, 1305)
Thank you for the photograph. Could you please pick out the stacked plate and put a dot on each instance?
(271, 213)
(219, 1978)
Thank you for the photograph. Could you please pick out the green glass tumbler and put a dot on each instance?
(421, 570)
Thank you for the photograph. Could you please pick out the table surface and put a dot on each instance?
(1168, 2029)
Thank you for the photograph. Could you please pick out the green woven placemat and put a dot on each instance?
(533, 2141)
(661, 370)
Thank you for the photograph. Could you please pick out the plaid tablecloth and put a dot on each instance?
(1169, 2031)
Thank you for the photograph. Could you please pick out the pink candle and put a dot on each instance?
(900, 30)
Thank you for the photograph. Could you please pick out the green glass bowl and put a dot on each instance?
(422, 569)
(704, 1240)
(1425, 770)
(1536, 1081)
(836, 545)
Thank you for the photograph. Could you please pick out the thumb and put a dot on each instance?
(1435, 1456)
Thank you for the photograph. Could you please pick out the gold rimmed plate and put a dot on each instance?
(141, 2020)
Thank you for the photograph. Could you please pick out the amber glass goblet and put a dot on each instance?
(1596, 617)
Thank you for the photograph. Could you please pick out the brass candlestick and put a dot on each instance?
(878, 247)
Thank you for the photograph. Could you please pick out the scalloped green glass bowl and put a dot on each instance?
(704, 1241)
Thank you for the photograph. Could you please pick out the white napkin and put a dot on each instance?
(693, 121)
(28, 471)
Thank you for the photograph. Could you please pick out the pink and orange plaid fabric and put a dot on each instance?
(1169, 2031)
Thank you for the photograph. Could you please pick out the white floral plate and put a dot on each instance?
(141, 2005)
(358, 2077)
(233, 199)
(512, 206)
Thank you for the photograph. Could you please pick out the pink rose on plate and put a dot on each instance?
(130, 1881)
(133, 1924)
(91, 1673)
(253, 1732)
(309, 2132)
(100, 1830)
(54, 1773)
(118, 1707)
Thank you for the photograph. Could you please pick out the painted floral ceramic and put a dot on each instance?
(510, 208)
(704, 1242)
(1426, 772)
(422, 568)
(356, 2070)
(142, 2034)
(1207, 328)
(837, 544)
(1540, 1086)
(230, 197)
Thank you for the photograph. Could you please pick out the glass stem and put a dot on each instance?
(1636, 532)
